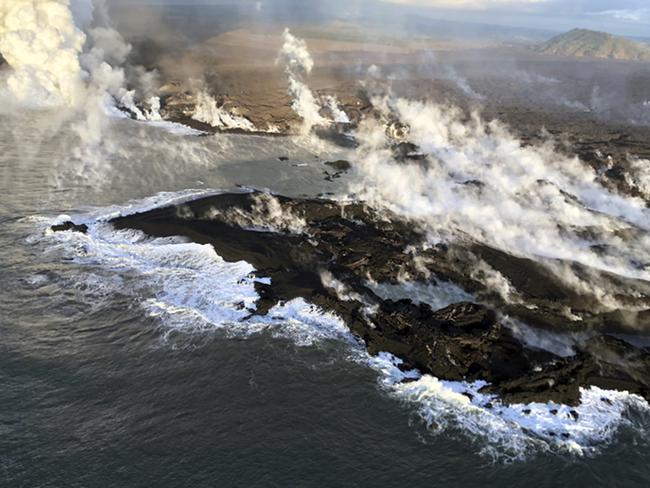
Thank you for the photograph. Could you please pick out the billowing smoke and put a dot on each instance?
(479, 183)
(338, 114)
(266, 215)
(295, 54)
(299, 64)
(64, 52)
(42, 41)
(207, 111)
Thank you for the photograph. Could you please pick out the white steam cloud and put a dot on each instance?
(480, 183)
(65, 54)
(295, 54)
(266, 215)
(207, 111)
(42, 41)
(299, 64)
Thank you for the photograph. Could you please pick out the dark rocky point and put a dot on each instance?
(71, 226)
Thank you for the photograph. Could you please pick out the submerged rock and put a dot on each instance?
(70, 226)
(339, 165)
(335, 134)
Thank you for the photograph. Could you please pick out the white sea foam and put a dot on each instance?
(191, 287)
(174, 269)
(188, 287)
(512, 432)
(174, 128)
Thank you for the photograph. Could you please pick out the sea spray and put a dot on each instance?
(190, 289)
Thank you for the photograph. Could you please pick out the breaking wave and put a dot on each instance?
(190, 288)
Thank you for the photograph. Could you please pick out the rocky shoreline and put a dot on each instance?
(610, 148)
(326, 252)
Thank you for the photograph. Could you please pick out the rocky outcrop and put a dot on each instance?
(70, 226)
(332, 250)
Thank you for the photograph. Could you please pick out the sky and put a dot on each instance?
(622, 17)
(629, 18)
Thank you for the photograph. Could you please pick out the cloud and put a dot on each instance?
(468, 4)
(632, 15)
(622, 17)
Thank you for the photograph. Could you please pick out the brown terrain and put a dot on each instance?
(240, 69)
(592, 108)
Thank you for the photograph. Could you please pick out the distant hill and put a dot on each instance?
(593, 44)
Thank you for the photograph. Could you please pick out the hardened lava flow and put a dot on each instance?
(326, 252)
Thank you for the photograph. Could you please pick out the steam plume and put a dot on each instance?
(479, 183)
(42, 41)
(298, 65)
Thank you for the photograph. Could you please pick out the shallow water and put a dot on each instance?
(100, 390)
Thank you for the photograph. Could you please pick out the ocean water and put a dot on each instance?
(124, 361)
